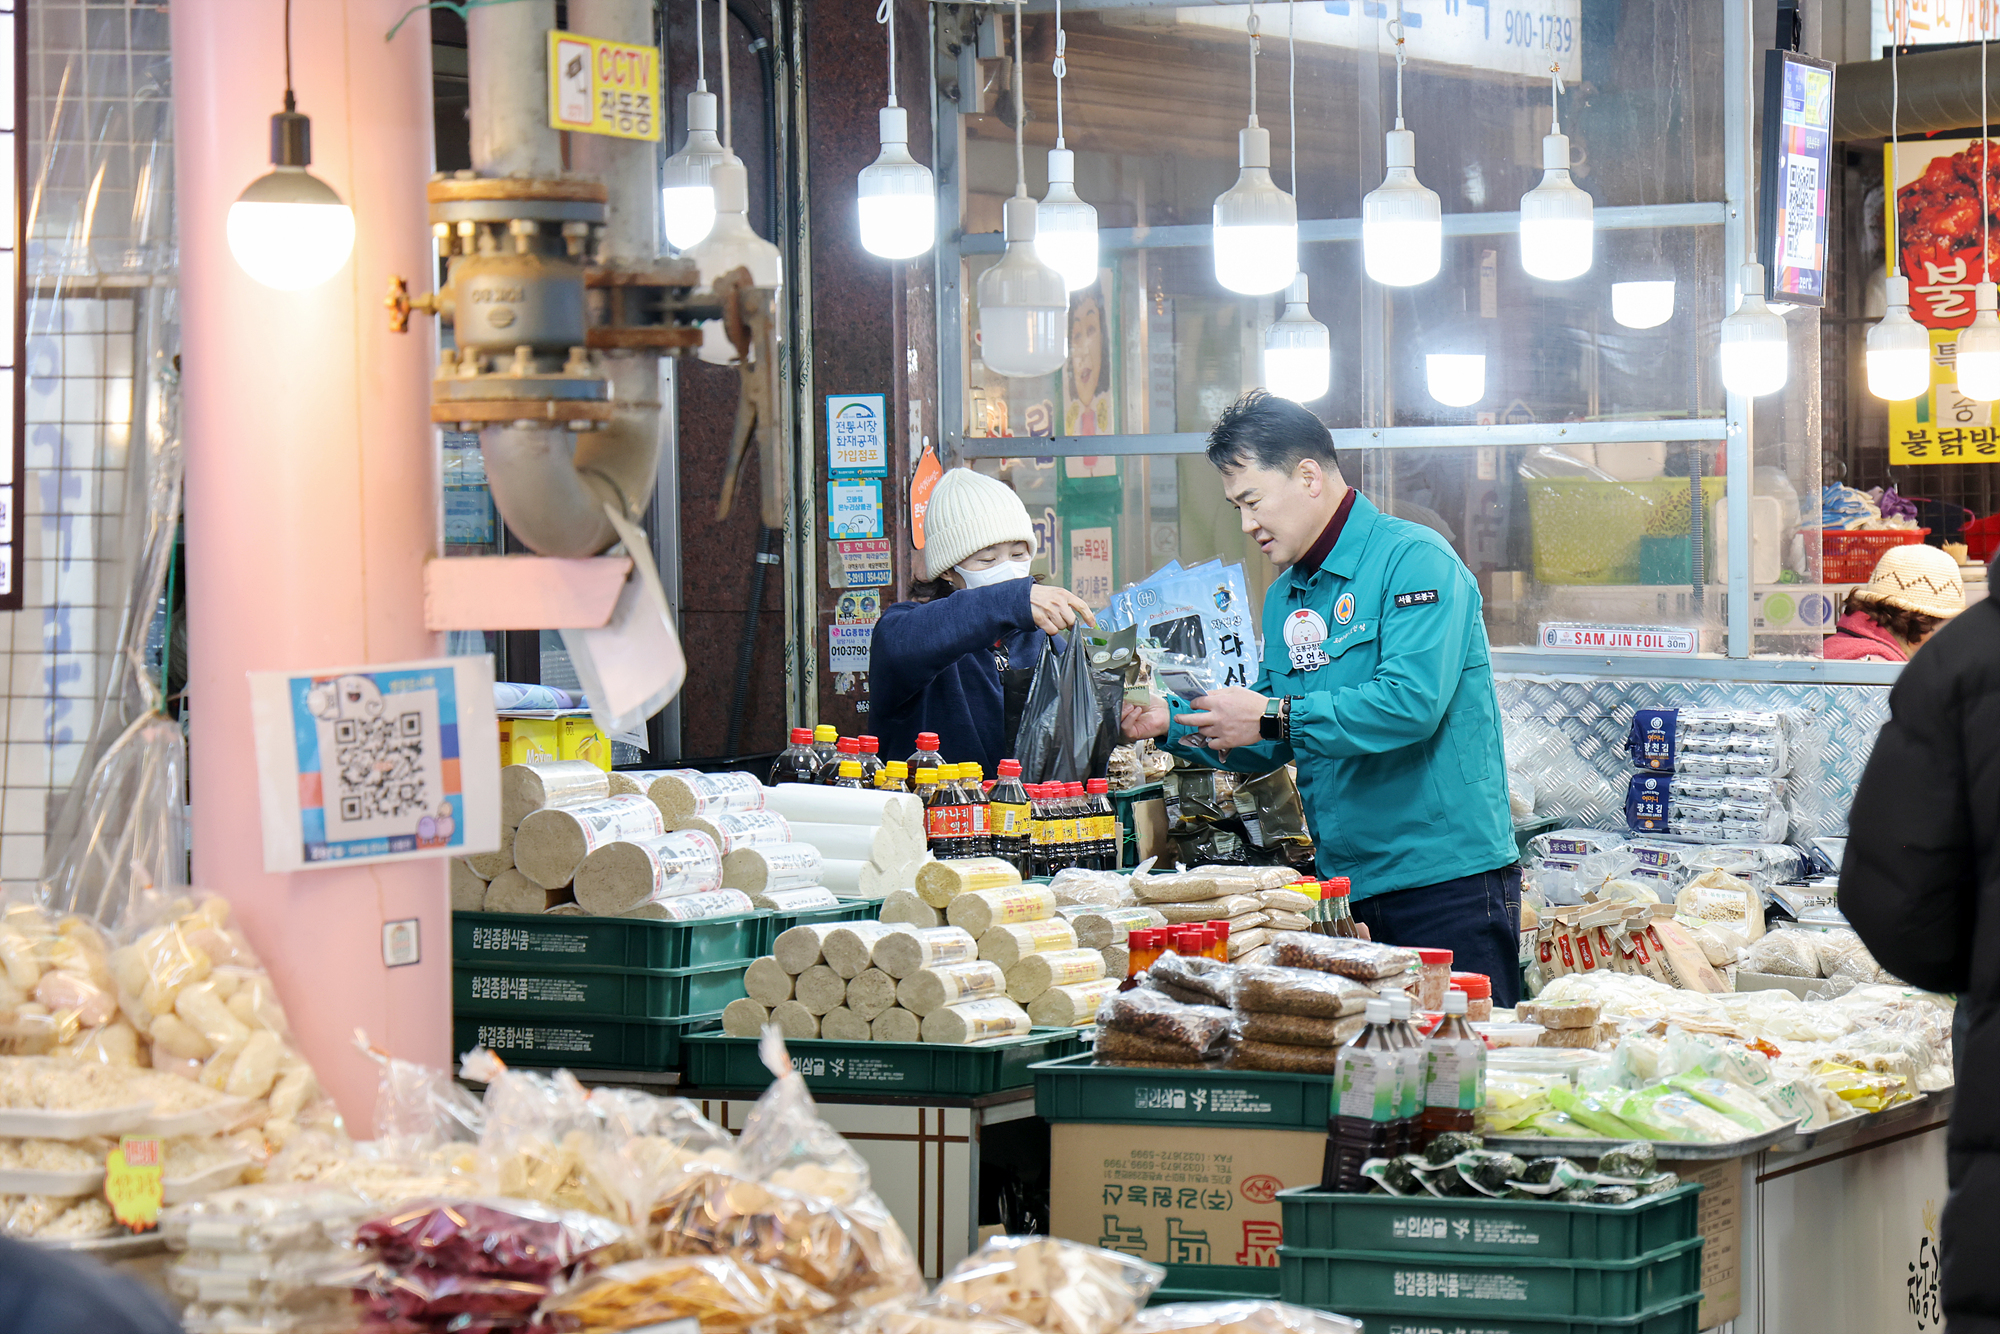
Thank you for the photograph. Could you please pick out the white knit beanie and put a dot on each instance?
(969, 512)
(1916, 578)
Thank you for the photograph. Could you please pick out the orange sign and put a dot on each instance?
(929, 470)
(132, 1185)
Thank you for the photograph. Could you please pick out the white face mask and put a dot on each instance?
(998, 573)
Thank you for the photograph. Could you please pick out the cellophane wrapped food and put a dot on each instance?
(1149, 1027)
(800, 1200)
(1193, 981)
(57, 996)
(1239, 1317)
(257, 1257)
(1362, 960)
(724, 1293)
(449, 1265)
(1059, 1287)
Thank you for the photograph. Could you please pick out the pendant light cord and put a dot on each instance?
(1255, 48)
(1896, 164)
(722, 54)
(1061, 72)
(1292, 90)
(1985, 169)
(885, 14)
(1020, 77)
(291, 103)
(1402, 58)
(700, 52)
(1555, 98)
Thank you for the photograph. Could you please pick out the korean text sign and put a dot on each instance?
(598, 87)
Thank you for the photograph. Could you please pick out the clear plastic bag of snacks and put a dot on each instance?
(1059, 1287)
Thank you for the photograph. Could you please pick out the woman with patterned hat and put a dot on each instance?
(1914, 591)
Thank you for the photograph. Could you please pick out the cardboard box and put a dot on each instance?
(579, 739)
(1722, 1237)
(527, 740)
(1178, 1196)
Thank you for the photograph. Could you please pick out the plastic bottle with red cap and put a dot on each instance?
(844, 749)
(796, 763)
(926, 754)
(1478, 989)
(1008, 814)
(1434, 980)
(1336, 915)
(1105, 820)
(871, 759)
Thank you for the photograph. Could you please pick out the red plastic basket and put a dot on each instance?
(1848, 557)
(1982, 536)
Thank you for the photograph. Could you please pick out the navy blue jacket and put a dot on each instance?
(931, 669)
(48, 1292)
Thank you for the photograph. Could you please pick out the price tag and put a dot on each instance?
(132, 1184)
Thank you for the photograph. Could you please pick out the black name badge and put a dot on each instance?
(1416, 599)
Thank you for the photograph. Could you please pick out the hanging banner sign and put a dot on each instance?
(599, 87)
(1659, 641)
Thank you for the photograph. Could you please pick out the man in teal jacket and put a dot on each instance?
(1378, 684)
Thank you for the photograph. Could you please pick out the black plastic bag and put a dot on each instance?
(1070, 721)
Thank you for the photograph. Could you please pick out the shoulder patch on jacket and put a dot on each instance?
(1416, 599)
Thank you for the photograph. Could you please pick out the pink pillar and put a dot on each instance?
(311, 488)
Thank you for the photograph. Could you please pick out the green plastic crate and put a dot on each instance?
(775, 924)
(1482, 1285)
(1216, 1283)
(597, 993)
(1681, 1317)
(579, 1044)
(536, 940)
(908, 1068)
(1076, 1090)
(1317, 1220)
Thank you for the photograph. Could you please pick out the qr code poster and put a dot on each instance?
(377, 763)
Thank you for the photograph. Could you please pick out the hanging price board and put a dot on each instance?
(132, 1185)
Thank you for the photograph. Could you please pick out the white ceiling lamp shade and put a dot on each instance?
(895, 195)
(1402, 225)
(1256, 233)
(1557, 219)
(1023, 302)
(1456, 379)
(1899, 349)
(1065, 224)
(1643, 303)
(1298, 350)
(687, 197)
(1977, 359)
(290, 230)
(730, 245)
(1755, 357)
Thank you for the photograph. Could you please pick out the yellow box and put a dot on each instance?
(579, 739)
(526, 740)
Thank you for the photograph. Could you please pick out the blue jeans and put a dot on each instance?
(1476, 917)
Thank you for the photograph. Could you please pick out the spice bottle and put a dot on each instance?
(1336, 915)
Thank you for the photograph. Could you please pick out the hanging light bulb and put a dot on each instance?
(1456, 379)
(1643, 303)
(1298, 350)
(1977, 359)
(1256, 224)
(1556, 217)
(289, 229)
(1402, 229)
(730, 245)
(1754, 353)
(1023, 303)
(687, 200)
(1899, 349)
(895, 195)
(1065, 225)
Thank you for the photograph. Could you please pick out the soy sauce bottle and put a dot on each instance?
(893, 777)
(825, 748)
(846, 748)
(926, 754)
(1007, 817)
(871, 759)
(849, 775)
(979, 813)
(1104, 824)
(796, 763)
(940, 802)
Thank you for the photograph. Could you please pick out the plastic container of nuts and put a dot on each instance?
(1435, 979)
(1478, 989)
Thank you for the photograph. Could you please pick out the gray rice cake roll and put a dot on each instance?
(744, 1018)
(794, 1020)
(798, 949)
(766, 982)
(902, 953)
(975, 1021)
(510, 891)
(896, 1025)
(848, 948)
(552, 843)
(1036, 973)
(1073, 1006)
(841, 1024)
(929, 990)
(468, 891)
(486, 865)
(906, 907)
(527, 788)
(820, 989)
(870, 993)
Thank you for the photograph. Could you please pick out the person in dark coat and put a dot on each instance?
(1921, 885)
(48, 1292)
(934, 662)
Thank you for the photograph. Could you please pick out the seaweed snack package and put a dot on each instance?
(725, 1294)
(1707, 810)
(192, 987)
(801, 1201)
(1059, 1287)
(1201, 614)
(1716, 742)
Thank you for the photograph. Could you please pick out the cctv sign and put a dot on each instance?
(598, 87)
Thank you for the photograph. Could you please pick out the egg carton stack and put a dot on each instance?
(253, 1259)
(1711, 775)
(1252, 899)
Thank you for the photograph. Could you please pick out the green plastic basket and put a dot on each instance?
(902, 1068)
(536, 940)
(1588, 531)
(1317, 1220)
(1681, 1317)
(1507, 1285)
(599, 993)
(775, 924)
(579, 1044)
(1216, 1283)
(1076, 1090)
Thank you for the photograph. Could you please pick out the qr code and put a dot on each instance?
(380, 763)
(1800, 248)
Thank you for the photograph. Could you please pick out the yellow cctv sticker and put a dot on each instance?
(598, 87)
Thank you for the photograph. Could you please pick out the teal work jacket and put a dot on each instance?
(1395, 726)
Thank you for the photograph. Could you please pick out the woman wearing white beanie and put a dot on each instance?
(935, 663)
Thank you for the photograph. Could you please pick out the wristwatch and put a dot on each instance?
(1276, 724)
